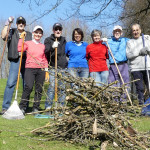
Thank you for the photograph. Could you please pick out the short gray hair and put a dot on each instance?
(95, 32)
(136, 24)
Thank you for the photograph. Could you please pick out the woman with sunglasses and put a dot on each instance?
(76, 51)
(36, 63)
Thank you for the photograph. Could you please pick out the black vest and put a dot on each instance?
(13, 39)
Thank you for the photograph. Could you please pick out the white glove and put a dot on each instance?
(46, 69)
(9, 20)
(104, 39)
(55, 44)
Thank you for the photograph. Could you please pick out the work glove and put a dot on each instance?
(23, 34)
(104, 39)
(46, 76)
(9, 20)
(148, 51)
(55, 44)
(143, 51)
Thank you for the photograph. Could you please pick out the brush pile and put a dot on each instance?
(95, 116)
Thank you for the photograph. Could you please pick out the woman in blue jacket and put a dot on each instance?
(76, 51)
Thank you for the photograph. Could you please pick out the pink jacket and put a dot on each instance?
(34, 53)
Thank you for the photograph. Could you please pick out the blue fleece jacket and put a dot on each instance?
(118, 48)
(76, 54)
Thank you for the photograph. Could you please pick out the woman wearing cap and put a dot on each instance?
(35, 63)
(96, 54)
(76, 51)
(117, 45)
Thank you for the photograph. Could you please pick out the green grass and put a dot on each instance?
(15, 134)
(141, 124)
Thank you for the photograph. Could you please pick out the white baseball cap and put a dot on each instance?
(37, 27)
(117, 27)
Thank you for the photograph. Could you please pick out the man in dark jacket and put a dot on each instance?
(50, 44)
(13, 57)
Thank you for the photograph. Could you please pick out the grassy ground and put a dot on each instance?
(15, 134)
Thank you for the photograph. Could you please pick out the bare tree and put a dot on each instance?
(71, 24)
(102, 13)
(136, 11)
(4, 70)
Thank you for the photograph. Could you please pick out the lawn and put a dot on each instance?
(15, 134)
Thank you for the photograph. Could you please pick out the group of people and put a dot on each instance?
(84, 60)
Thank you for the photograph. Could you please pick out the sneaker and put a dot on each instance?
(48, 111)
(35, 111)
(3, 111)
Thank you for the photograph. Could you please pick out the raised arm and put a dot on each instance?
(4, 31)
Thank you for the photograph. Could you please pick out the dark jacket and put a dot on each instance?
(13, 39)
(50, 52)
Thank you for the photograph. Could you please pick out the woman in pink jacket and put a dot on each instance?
(36, 63)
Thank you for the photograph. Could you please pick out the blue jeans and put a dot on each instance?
(79, 72)
(11, 82)
(51, 89)
(100, 77)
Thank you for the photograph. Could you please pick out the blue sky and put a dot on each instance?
(16, 8)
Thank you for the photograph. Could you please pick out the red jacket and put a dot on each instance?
(96, 54)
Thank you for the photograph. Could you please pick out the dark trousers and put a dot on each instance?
(114, 75)
(142, 75)
(37, 76)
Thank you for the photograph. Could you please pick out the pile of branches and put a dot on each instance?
(94, 114)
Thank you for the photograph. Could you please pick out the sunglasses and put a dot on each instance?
(60, 29)
(20, 22)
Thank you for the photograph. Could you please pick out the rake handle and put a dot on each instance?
(56, 74)
(5, 44)
(20, 63)
(146, 65)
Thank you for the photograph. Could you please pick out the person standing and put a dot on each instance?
(136, 56)
(96, 54)
(76, 51)
(117, 45)
(13, 57)
(55, 40)
(35, 65)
